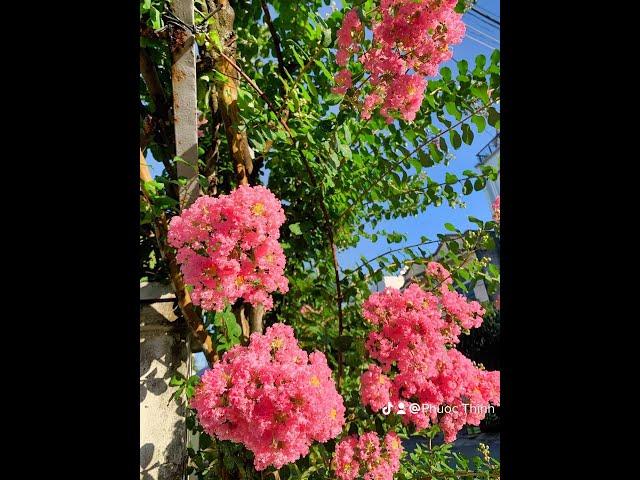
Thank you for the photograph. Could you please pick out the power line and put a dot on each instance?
(485, 34)
(488, 17)
(480, 42)
(488, 12)
(480, 19)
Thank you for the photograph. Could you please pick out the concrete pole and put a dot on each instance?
(164, 351)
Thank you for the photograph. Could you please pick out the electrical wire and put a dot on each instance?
(483, 33)
(488, 17)
(487, 11)
(476, 17)
(480, 42)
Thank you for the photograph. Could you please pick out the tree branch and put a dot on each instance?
(276, 43)
(259, 91)
(227, 94)
(187, 307)
(368, 262)
(325, 213)
(162, 115)
(428, 187)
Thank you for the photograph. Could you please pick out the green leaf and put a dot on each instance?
(332, 99)
(446, 73)
(456, 141)
(312, 89)
(495, 57)
(347, 134)
(295, 229)
(481, 93)
(326, 37)
(346, 151)
(467, 188)
(156, 20)
(415, 162)
(461, 6)
(324, 70)
(425, 159)
(463, 67)
(435, 153)
(450, 178)
(215, 39)
(431, 100)
(467, 134)
(453, 110)
(450, 227)
(443, 145)
(481, 61)
(479, 122)
(233, 329)
(479, 184)
(494, 117)
(476, 220)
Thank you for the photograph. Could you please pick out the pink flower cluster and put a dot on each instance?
(272, 397)
(414, 345)
(411, 38)
(349, 37)
(228, 248)
(495, 207)
(367, 457)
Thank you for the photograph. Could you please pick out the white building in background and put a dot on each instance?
(490, 155)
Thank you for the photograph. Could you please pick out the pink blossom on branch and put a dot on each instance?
(228, 248)
(495, 207)
(367, 457)
(272, 397)
(343, 82)
(411, 38)
(413, 341)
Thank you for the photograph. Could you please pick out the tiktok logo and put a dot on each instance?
(386, 410)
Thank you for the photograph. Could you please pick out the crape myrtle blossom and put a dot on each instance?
(413, 344)
(272, 397)
(367, 457)
(495, 207)
(411, 38)
(227, 248)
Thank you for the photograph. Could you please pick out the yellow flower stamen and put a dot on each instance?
(257, 209)
(277, 343)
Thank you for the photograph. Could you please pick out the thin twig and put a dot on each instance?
(257, 89)
(276, 41)
(184, 299)
(323, 208)
(428, 242)
(428, 187)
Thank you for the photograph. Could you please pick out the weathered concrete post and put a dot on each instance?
(164, 351)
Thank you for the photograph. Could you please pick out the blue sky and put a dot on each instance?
(431, 222)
